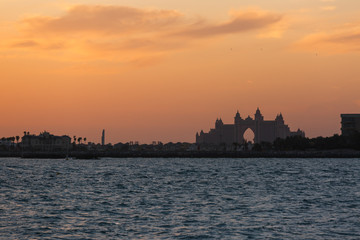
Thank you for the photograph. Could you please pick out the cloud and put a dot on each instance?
(103, 19)
(343, 40)
(25, 44)
(115, 20)
(104, 31)
(37, 45)
(240, 22)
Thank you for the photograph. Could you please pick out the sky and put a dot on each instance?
(163, 70)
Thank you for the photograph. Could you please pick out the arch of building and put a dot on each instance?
(248, 135)
(264, 130)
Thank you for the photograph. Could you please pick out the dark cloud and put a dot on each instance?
(339, 41)
(34, 44)
(241, 23)
(25, 44)
(119, 20)
(344, 38)
(105, 19)
(113, 29)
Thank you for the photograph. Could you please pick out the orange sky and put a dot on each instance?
(163, 70)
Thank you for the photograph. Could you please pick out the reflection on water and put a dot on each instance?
(180, 198)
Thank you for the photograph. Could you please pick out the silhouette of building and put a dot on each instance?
(103, 137)
(45, 142)
(8, 142)
(350, 124)
(264, 131)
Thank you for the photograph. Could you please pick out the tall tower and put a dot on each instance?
(259, 118)
(237, 123)
(103, 137)
(258, 115)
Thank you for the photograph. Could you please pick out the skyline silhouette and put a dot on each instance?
(248, 131)
(252, 130)
(263, 130)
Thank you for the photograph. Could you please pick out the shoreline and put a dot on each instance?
(341, 153)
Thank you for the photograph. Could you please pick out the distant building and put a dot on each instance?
(45, 142)
(350, 124)
(8, 142)
(103, 137)
(264, 131)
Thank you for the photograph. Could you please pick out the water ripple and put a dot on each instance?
(180, 199)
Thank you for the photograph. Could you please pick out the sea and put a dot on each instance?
(180, 198)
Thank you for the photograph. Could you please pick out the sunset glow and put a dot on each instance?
(163, 70)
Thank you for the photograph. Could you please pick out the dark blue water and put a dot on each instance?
(180, 199)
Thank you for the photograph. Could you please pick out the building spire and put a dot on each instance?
(103, 137)
(258, 115)
(237, 117)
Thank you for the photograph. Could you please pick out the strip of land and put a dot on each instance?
(186, 154)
